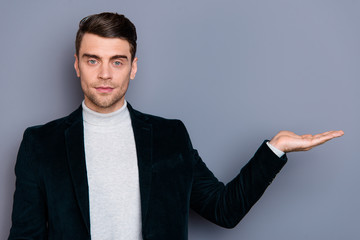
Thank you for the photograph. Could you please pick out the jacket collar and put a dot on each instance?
(74, 142)
(143, 134)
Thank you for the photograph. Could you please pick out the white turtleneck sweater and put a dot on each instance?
(112, 170)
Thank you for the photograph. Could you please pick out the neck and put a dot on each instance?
(106, 110)
(105, 119)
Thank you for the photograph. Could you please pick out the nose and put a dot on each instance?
(105, 72)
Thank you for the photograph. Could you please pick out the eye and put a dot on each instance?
(117, 63)
(92, 61)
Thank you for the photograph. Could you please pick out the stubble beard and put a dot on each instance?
(105, 100)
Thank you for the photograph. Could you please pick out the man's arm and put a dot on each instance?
(29, 208)
(226, 205)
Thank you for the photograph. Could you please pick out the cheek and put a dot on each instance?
(86, 72)
(125, 83)
(84, 86)
(85, 82)
(86, 77)
(121, 77)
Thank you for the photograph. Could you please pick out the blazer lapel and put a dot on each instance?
(74, 137)
(143, 140)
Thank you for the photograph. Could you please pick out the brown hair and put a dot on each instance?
(109, 25)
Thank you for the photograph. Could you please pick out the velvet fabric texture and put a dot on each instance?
(51, 199)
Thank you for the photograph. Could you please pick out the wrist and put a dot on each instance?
(276, 143)
(278, 152)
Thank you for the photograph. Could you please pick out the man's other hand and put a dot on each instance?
(287, 141)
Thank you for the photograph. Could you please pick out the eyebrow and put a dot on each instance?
(87, 55)
(119, 56)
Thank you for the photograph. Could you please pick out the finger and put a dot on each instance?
(307, 136)
(324, 137)
(318, 141)
(331, 134)
(338, 133)
(323, 134)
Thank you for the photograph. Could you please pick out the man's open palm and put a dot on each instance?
(287, 141)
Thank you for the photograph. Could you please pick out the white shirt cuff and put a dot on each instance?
(278, 152)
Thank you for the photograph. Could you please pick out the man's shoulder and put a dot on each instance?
(166, 132)
(56, 125)
(154, 120)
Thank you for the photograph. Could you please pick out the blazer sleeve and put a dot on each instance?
(29, 207)
(226, 205)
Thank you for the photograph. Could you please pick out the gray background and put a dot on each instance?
(236, 72)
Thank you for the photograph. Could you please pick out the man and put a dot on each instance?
(107, 171)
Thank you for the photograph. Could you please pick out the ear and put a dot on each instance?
(133, 68)
(76, 65)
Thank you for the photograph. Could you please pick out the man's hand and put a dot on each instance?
(287, 141)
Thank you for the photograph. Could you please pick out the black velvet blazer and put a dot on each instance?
(51, 199)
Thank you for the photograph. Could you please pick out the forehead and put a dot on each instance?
(101, 46)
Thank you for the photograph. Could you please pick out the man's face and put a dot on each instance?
(105, 68)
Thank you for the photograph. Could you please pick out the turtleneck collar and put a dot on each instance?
(105, 119)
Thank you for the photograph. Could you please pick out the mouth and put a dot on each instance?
(104, 89)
